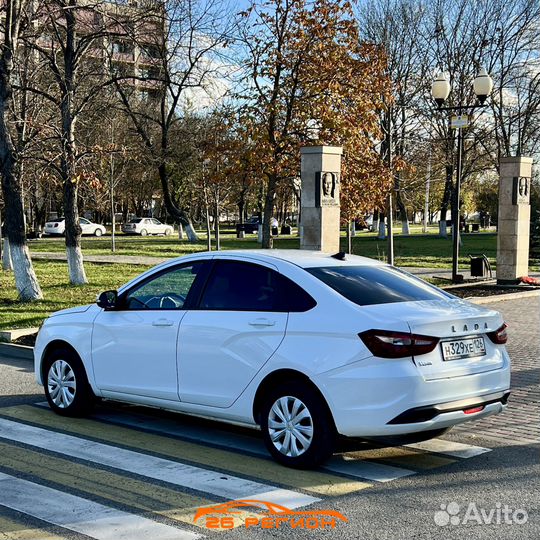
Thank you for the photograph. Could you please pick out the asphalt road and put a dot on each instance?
(502, 482)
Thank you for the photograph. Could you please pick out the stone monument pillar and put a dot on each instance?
(320, 207)
(514, 219)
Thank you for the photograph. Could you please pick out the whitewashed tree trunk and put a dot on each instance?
(382, 229)
(7, 264)
(191, 234)
(25, 277)
(180, 231)
(405, 231)
(442, 229)
(77, 275)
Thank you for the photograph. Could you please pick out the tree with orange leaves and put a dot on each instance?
(305, 61)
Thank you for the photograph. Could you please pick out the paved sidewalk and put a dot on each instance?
(520, 423)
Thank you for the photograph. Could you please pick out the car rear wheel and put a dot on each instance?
(297, 426)
(144, 232)
(98, 232)
(168, 232)
(66, 385)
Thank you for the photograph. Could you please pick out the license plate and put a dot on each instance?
(463, 348)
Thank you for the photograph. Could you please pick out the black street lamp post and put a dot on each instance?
(440, 90)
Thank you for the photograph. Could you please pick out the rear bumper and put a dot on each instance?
(380, 398)
(418, 415)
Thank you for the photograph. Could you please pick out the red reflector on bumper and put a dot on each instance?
(473, 410)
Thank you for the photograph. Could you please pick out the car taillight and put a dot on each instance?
(387, 344)
(499, 336)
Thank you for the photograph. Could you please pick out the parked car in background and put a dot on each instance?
(146, 226)
(251, 225)
(58, 227)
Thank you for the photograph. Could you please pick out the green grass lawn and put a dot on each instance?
(53, 278)
(415, 250)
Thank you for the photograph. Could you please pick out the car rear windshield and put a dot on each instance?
(137, 220)
(369, 285)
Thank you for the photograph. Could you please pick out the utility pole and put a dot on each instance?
(390, 237)
(426, 203)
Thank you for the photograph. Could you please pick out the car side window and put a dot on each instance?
(155, 222)
(240, 286)
(84, 221)
(293, 299)
(167, 291)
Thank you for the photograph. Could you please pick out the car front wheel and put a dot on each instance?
(297, 426)
(66, 385)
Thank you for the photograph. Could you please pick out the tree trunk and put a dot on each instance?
(7, 265)
(190, 233)
(174, 212)
(403, 214)
(448, 185)
(382, 227)
(180, 231)
(16, 252)
(267, 212)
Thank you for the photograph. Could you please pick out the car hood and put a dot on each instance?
(78, 309)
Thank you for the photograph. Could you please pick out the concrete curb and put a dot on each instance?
(502, 297)
(17, 351)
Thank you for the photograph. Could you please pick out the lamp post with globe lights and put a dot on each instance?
(440, 90)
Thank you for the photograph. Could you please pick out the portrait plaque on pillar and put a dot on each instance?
(326, 189)
(521, 189)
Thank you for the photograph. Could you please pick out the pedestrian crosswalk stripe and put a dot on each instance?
(316, 482)
(450, 448)
(404, 457)
(112, 487)
(359, 468)
(14, 530)
(81, 515)
(172, 472)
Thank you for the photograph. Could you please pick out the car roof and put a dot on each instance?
(299, 257)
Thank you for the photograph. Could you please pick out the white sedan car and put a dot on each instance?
(145, 226)
(303, 344)
(58, 226)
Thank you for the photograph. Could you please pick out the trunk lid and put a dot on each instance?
(449, 320)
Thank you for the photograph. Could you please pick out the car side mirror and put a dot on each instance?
(107, 299)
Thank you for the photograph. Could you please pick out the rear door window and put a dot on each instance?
(369, 285)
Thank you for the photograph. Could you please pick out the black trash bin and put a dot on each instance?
(285, 229)
(476, 227)
(480, 266)
(274, 231)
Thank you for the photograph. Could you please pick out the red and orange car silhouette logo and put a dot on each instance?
(269, 515)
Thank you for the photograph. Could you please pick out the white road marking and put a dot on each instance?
(180, 474)
(355, 468)
(450, 448)
(80, 515)
(369, 470)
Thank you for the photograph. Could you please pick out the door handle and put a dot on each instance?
(162, 322)
(262, 322)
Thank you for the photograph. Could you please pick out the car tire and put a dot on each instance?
(168, 232)
(316, 426)
(144, 232)
(98, 232)
(75, 398)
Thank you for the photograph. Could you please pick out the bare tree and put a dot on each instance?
(15, 228)
(180, 45)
